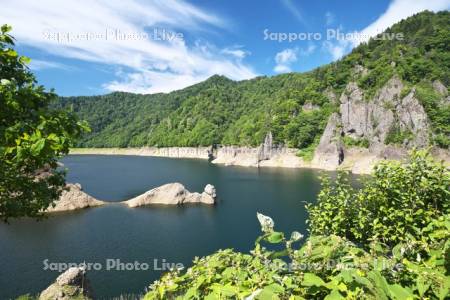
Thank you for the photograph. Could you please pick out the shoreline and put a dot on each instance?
(358, 160)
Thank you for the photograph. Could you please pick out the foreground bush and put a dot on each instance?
(393, 206)
(337, 262)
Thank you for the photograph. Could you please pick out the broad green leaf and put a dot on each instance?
(275, 237)
(398, 292)
(310, 279)
(37, 147)
(334, 295)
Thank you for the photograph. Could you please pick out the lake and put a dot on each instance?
(145, 234)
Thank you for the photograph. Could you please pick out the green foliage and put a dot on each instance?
(395, 204)
(27, 297)
(307, 154)
(32, 137)
(216, 111)
(325, 267)
(397, 136)
(355, 142)
(405, 91)
(409, 261)
(437, 111)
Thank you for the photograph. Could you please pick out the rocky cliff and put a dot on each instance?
(357, 136)
(373, 119)
(370, 123)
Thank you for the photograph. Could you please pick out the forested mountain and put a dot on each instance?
(295, 107)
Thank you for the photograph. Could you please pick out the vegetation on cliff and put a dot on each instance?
(221, 111)
(389, 240)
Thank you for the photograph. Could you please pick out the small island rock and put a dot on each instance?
(72, 284)
(173, 194)
(73, 198)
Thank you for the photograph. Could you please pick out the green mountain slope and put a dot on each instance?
(295, 107)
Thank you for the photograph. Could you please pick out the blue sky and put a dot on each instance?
(113, 45)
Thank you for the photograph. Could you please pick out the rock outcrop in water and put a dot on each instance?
(173, 194)
(72, 284)
(73, 198)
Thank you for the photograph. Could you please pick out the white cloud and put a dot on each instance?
(337, 49)
(37, 64)
(329, 18)
(149, 63)
(294, 10)
(236, 52)
(282, 69)
(309, 50)
(284, 59)
(396, 11)
(286, 56)
(401, 9)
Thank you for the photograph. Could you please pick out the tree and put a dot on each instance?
(32, 137)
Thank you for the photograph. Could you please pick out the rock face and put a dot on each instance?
(329, 153)
(308, 106)
(71, 284)
(372, 120)
(331, 96)
(265, 150)
(354, 112)
(173, 194)
(74, 198)
(412, 117)
(266, 155)
(440, 88)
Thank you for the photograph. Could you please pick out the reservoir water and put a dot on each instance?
(153, 234)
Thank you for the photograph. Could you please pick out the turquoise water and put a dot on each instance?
(167, 234)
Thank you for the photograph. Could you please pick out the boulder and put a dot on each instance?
(173, 194)
(210, 190)
(360, 71)
(73, 198)
(72, 284)
(308, 106)
(440, 88)
(331, 96)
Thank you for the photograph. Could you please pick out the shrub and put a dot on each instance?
(358, 142)
(389, 240)
(393, 205)
(397, 136)
(325, 267)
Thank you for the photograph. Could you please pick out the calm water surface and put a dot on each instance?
(175, 234)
